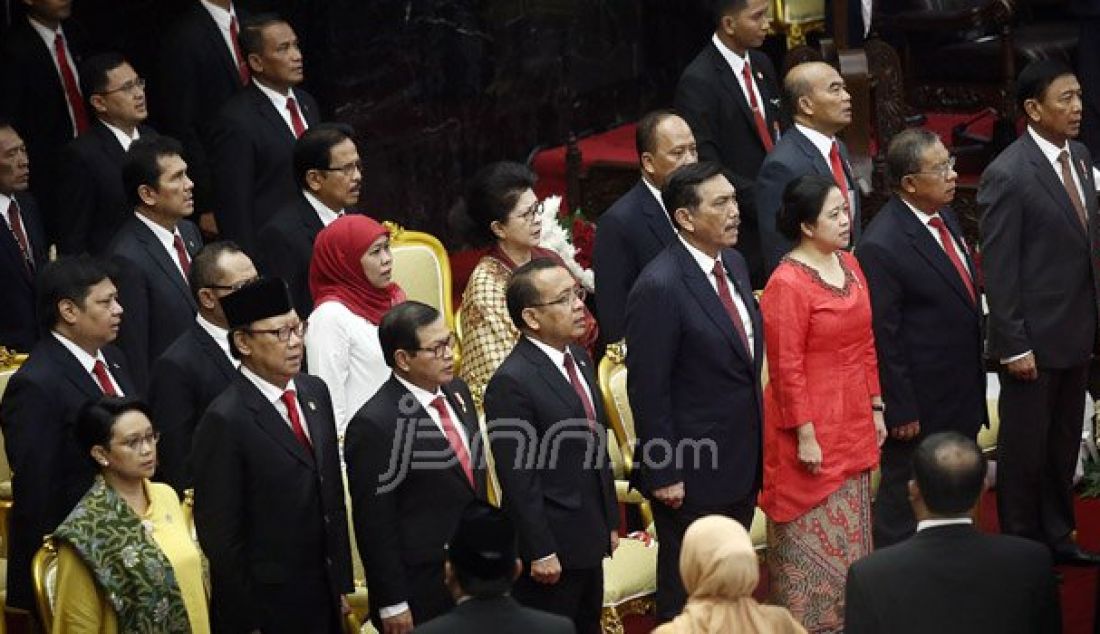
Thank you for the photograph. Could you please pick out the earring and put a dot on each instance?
(105, 463)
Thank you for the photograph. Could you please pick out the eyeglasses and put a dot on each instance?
(232, 287)
(283, 333)
(129, 87)
(348, 170)
(532, 212)
(137, 443)
(440, 349)
(578, 292)
(941, 170)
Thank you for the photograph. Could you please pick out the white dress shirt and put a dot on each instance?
(219, 335)
(221, 18)
(274, 395)
(706, 263)
(279, 101)
(737, 64)
(123, 139)
(88, 361)
(343, 349)
(324, 212)
(48, 36)
(660, 201)
(1051, 152)
(557, 357)
(925, 219)
(166, 239)
(949, 521)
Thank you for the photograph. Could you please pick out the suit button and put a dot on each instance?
(328, 560)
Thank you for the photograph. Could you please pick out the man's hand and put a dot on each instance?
(614, 540)
(908, 431)
(809, 452)
(398, 624)
(671, 496)
(345, 607)
(1023, 369)
(546, 571)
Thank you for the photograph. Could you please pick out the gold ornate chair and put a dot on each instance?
(422, 268)
(44, 578)
(796, 18)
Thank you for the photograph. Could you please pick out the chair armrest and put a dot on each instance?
(992, 13)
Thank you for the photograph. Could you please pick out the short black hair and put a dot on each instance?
(492, 194)
(682, 187)
(721, 8)
(93, 72)
(251, 36)
(803, 199)
(903, 155)
(481, 588)
(96, 419)
(204, 266)
(68, 277)
(1036, 77)
(645, 135)
(313, 150)
(142, 164)
(397, 330)
(521, 292)
(950, 470)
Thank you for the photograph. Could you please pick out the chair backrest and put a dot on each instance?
(612, 380)
(44, 578)
(422, 268)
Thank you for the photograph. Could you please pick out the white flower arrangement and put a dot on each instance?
(556, 238)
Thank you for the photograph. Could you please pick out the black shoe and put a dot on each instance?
(1074, 555)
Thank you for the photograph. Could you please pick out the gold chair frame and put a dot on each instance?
(405, 238)
(44, 560)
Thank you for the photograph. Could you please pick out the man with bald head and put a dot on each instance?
(822, 107)
(636, 228)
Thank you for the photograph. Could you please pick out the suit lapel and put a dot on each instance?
(745, 291)
(928, 249)
(821, 166)
(733, 88)
(215, 41)
(1052, 182)
(271, 422)
(74, 372)
(705, 294)
(108, 142)
(551, 375)
(581, 357)
(467, 416)
(656, 218)
(211, 349)
(157, 253)
(319, 425)
(267, 111)
(770, 105)
(12, 252)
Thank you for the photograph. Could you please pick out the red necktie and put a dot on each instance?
(68, 79)
(295, 117)
(727, 301)
(952, 254)
(453, 438)
(757, 114)
(575, 381)
(16, 222)
(290, 398)
(104, 379)
(838, 173)
(181, 254)
(1071, 188)
(242, 65)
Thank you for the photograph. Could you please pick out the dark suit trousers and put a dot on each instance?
(429, 599)
(1037, 449)
(578, 595)
(893, 519)
(305, 604)
(671, 525)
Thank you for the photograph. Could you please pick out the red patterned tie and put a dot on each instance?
(242, 65)
(578, 387)
(104, 379)
(295, 117)
(727, 302)
(451, 432)
(68, 79)
(290, 399)
(16, 222)
(181, 254)
(952, 254)
(757, 114)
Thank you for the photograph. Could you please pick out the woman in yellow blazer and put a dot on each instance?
(126, 562)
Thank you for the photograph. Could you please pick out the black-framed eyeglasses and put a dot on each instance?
(348, 170)
(283, 333)
(128, 87)
(232, 287)
(136, 443)
(531, 213)
(941, 170)
(578, 292)
(439, 350)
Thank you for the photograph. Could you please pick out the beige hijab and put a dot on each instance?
(720, 572)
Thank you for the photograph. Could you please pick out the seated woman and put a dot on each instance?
(823, 422)
(126, 562)
(349, 278)
(720, 573)
(506, 215)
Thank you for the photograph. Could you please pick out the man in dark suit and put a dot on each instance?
(153, 251)
(729, 94)
(482, 562)
(822, 108)
(201, 66)
(22, 243)
(927, 319)
(252, 140)
(636, 228)
(326, 164)
(1039, 239)
(950, 577)
(41, 96)
(546, 425)
(406, 511)
(197, 367)
(269, 499)
(79, 310)
(91, 203)
(695, 342)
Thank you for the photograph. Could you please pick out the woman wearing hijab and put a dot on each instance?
(349, 278)
(720, 572)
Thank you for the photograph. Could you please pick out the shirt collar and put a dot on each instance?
(324, 212)
(656, 194)
(221, 16)
(46, 33)
(218, 334)
(164, 236)
(736, 62)
(823, 143)
(86, 360)
(556, 356)
(276, 98)
(1048, 149)
(270, 391)
(922, 216)
(704, 261)
(5, 204)
(947, 521)
(422, 396)
(123, 139)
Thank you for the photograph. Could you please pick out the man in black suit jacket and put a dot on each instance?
(22, 243)
(406, 511)
(546, 425)
(326, 163)
(927, 319)
(200, 67)
(695, 345)
(91, 203)
(636, 228)
(78, 308)
(197, 367)
(153, 250)
(735, 127)
(482, 562)
(252, 140)
(269, 499)
(1039, 239)
(34, 97)
(822, 108)
(949, 577)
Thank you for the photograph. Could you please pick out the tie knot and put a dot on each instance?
(289, 396)
(568, 361)
(834, 149)
(439, 404)
(1063, 157)
(936, 222)
(718, 271)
